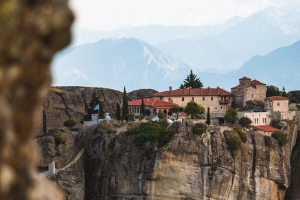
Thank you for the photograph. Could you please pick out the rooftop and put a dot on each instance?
(277, 98)
(152, 103)
(266, 128)
(193, 92)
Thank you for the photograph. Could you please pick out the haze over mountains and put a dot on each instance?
(117, 62)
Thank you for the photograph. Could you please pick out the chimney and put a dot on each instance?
(208, 90)
(200, 89)
(218, 90)
(183, 90)
(170, 89)
(146, 99)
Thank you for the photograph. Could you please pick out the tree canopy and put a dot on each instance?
(230, 115)
(193, 108)
(176, 109)
(245, 122)
(191, 81)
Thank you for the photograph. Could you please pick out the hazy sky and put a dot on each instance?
(110, 14)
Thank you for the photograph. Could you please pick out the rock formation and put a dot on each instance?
(31, 32)
(64, 103)
(189, 167)
(58, 146)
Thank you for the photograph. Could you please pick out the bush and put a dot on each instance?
(146, 132)
(130, 116)
(165, 137)
(234, 142)
(199, 129)
(70, 123)
(241, 134)
(280, 137)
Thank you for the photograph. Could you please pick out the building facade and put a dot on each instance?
(152, 107)
(277, 104)
(247, 90)
(217, 99)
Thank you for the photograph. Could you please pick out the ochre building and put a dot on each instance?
(217, 99)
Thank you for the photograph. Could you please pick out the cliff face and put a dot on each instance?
(58, 146)
(189, 167)
(63, 103)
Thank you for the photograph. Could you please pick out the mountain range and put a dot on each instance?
(115, 63)
(219, 54)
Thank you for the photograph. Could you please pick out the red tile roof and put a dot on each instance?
(277, 98)
(256, 82)
(193, 92)
(266, 128)
(155, 103)
(245, 78)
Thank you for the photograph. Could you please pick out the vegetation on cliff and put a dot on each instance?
(280, 137)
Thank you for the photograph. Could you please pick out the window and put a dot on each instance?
(278, 104)
(182, 99)
(252, 95)
(192, 98)
(203, 98)
(212, 98)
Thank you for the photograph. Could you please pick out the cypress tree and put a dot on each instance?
(143, 109)
(125, 108)
(208, 117)
(118, 113)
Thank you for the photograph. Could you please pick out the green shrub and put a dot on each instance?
(234, 142)
(280, 137)
(141, 116)
(59, 139)
(241, 134)
(245, 122)
(130, 116)
(199, 129)
(70, 123)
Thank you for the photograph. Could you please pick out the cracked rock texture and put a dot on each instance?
(64, 103)
(31, 32)
(190, 167)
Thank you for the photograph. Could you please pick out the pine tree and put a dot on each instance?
(191, 81)
(143, 109)
(208, 117)
(125, 108)
(283, 93)
(118, 112)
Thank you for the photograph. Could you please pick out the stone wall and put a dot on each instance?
(31, 32)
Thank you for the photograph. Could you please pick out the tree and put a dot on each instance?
(118, 112)
(245, 122)
(143, 109)
(176, 109)
(125, 108)
(272, 91)
(93, 103)
(193, 108)
(191, 81)
(208, 116)
(283, 92)
(230, 115)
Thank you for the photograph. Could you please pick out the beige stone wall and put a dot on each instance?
(257, 118)
(213, 102)
(258, 93)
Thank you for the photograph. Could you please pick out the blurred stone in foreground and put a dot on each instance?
(30, 33)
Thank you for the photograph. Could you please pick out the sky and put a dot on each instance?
(110, 14)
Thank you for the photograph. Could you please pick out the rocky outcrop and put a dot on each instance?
(58, 146)
(31, 32)
(189, 167)
(72, 102)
